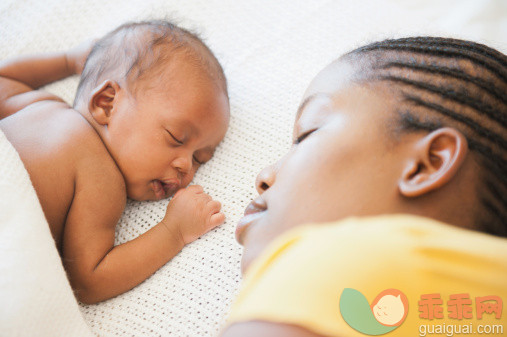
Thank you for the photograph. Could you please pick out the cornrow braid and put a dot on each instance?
(482, 84)
(486, 61)
(481, 131)
(455, 83)
(451, 94)
(466, 45)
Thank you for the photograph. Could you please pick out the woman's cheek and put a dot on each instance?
(309, 158)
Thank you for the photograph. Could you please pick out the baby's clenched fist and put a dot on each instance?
(191, 212)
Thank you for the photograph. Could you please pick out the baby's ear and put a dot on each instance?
(102, 102)
(434, 161)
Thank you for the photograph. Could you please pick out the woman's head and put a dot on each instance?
(406, 126)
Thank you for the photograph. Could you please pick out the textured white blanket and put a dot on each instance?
(270, 51)
(35, 296)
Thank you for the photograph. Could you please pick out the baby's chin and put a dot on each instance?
(133, 196)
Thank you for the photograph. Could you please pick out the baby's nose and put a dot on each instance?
(184, 165)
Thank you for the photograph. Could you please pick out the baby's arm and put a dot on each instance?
(99, 271)
(21, 77)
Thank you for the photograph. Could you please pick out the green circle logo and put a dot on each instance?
(387, 311)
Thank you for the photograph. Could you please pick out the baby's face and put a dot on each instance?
(340, 165)
(160, 137)
(389, 310)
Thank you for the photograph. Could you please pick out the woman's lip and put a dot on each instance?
(244, 223)
(253, 211)
(257, 205)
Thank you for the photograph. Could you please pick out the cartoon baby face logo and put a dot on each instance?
(390, 307)
(387, 311)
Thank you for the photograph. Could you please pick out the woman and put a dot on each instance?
(404, 142)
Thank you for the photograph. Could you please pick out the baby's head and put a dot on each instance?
(139, 52)
(413, 126)
(158, 98)
(390, 307)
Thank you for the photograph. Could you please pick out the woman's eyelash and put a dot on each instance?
(175, 139)
(303, 136)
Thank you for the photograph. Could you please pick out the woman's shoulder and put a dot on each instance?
(393, 232)
(405, 244)
(301, 277)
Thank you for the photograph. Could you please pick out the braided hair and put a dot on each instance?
(448, 82)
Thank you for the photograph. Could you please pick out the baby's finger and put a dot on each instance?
(178, 192)
(213, 206)
(196, 189)
(206, 197)
(217, 219)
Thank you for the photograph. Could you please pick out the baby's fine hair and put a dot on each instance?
(137, 50)
(450, 83)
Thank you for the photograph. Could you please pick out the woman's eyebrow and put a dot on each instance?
(304, 103)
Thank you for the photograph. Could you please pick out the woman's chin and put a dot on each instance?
(249, 256)
(246, 261)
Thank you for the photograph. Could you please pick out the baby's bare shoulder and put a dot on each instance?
(71, 141)
(51, 136)
(97, 175)
(97, 171)
(99, 188)
(67, 161)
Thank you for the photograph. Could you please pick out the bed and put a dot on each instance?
(270, 50)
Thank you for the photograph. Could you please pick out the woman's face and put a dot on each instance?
(342, 163)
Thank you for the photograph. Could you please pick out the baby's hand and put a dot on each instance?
(76, 57)
(192, 213)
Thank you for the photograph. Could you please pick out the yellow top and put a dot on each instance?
(306, 275)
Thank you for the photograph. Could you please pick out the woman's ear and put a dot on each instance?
(435, 161)
(102, 102)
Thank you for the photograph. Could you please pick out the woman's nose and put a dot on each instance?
(265, 178)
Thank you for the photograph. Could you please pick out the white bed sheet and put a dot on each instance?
(270, 51)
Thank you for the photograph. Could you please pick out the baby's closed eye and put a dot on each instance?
(176, 139)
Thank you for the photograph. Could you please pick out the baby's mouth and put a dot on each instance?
(165, 188)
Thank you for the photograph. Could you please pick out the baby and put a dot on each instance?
(151, 107)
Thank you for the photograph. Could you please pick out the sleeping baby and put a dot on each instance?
(151, 107)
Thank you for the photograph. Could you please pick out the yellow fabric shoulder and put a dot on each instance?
(312, 275)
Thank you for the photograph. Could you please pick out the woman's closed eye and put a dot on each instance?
(303, 136)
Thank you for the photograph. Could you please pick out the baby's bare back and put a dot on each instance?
(63, 155)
